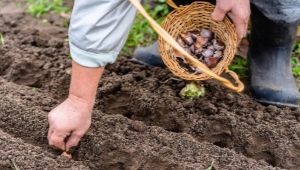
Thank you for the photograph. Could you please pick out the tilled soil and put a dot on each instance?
(15, 153)
(139, 121)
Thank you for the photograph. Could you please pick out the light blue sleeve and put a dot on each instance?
(98, 30)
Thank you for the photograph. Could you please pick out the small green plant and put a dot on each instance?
(295, 60)
(2, 39)
(141, 33)
(211, 166)
(192, 91)
(240, 66)
(16, 167)
(39, 7)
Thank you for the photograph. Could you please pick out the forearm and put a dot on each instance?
(70, 120)
(98, 30)
(84, 83)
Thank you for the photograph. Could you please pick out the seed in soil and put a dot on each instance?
(66, 155)
(204, 45)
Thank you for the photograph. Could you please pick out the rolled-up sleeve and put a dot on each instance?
(98, 30)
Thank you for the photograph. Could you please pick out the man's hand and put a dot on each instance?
(69, 122)
(237, 10)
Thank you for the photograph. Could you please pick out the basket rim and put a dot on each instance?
(226, 23)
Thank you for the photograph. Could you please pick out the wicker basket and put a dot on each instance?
(189, 18)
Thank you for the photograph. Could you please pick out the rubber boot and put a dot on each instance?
(271, 44)
(149, 56)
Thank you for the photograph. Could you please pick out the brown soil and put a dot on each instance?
(139, 121)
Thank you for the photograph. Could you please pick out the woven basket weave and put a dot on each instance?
(189, 18)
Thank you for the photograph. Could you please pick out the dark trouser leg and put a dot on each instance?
(271, 44)
(149, 56)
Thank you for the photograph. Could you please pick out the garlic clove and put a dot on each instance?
(198, 51)
(180, 42)
(217, 45)
(194, 36)
(66, 155)
(198, 46)
(201, 40)
(211, 47)
(187, 38)
(193, 49)
(207, 53)
(205, 33)
(211, 62)
(177, 53)
(187, 49)
(218, 54)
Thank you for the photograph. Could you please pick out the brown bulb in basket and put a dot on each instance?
(187, 38)
(205, 33)
(217, 45)
(203, 45)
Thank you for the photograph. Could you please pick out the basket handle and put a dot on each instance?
(240, 85)
(169, 39)
(172, 4)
